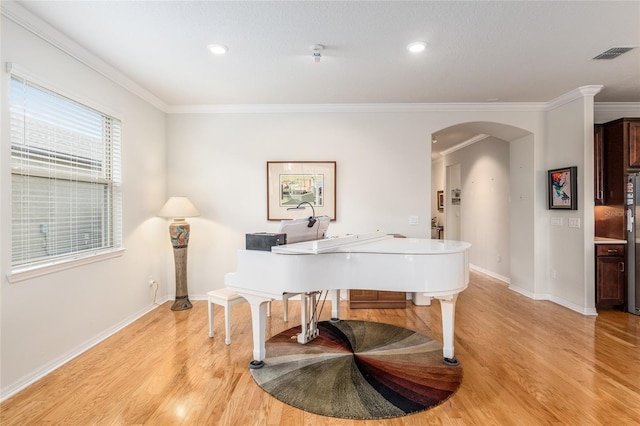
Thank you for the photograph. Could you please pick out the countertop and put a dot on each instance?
(602, 240)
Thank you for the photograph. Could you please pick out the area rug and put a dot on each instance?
(358, 370)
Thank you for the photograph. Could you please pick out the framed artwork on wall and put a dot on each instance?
(440, 200)
(290, 183)
(563, 188)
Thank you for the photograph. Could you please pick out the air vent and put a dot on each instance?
(613, 53)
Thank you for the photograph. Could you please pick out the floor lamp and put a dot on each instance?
(178, 208)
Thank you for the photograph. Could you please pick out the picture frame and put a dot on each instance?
(563, 188)
(290, 183)
(440, 200)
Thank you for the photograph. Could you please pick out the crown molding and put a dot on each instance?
(464, 144)
(379, 107)
(627, 109)
(573, 95)
(45, 31)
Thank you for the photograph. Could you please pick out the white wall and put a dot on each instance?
(47, 320)
(522, 215)
(570, 143)
(383, 174)
(609, 111)
(484, 208)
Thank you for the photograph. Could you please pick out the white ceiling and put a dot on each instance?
(478, 51)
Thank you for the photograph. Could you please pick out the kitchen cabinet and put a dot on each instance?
(621, 155)
(614, 163)
(610, 276)
(598, 163)
(623, 137)
(373, 299)
(631, 135)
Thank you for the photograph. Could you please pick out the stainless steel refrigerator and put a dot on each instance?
(632, 212)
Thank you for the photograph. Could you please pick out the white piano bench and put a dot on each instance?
(227, 298)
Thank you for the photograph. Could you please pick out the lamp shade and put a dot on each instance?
(178, 207)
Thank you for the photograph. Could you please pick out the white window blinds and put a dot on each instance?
(65, 178)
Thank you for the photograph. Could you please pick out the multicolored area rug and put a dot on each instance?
(358, 370)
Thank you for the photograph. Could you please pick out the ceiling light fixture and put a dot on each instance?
(218, 49)
(317, 48)
(417, 46)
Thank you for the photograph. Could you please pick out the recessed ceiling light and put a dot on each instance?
(218, 49)
(417, 46)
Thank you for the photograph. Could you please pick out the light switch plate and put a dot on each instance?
(556, 221)
(574, 222)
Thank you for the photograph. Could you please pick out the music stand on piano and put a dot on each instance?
(298, 230)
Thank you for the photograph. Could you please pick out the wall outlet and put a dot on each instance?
(414, 220)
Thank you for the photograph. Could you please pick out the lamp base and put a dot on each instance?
(181, 303)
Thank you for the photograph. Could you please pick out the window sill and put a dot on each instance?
(23, 274)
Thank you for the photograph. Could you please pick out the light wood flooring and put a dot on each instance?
(525, 363)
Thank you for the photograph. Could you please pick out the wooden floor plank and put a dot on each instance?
(525, 362)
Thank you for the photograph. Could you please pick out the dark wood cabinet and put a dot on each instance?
(620, 156)
(598, 163)
(373, 299)
(610, 276)
(614, 163)
(622, 141)
(632, 139)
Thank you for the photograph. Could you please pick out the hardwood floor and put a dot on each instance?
(525, 363)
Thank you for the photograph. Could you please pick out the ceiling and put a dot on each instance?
(478, 51)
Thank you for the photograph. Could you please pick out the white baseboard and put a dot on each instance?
(536, 296)
(557, 300)
(492, 274)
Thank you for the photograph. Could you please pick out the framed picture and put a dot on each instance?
(290, 183)
(563, 188)
(440, 200)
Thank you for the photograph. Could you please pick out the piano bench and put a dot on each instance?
(226, 298)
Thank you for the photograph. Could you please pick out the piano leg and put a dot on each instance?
(448, 309)
(259, 326)
(335, 305)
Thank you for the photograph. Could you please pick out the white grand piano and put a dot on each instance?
(434, 268)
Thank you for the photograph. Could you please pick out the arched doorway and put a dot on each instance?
(477, 166)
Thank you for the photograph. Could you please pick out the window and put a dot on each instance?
(65, 178)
